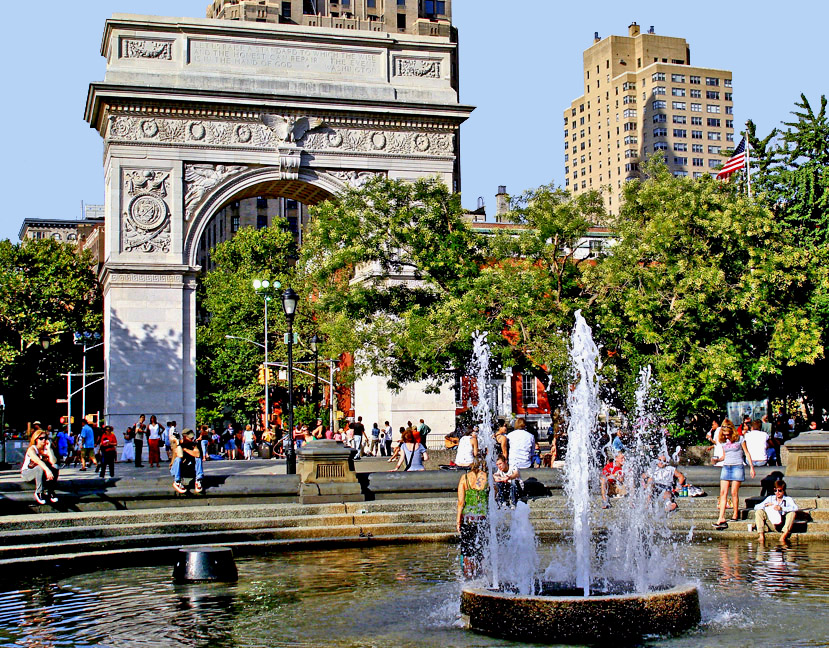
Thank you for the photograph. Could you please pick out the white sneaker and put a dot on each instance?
(39, 498)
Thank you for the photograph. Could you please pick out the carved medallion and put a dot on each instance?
(147, 211)
(146, 218)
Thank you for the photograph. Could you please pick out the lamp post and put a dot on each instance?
(84, 339)
(265, 288)
(315, 343)
(289, 303)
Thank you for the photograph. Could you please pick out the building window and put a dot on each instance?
(678, 78)
(712, 94)
(729, 137)
(713, 122)
(286, 9)
(726, 83)
(371, 4)
(629, 113)
(234, 224)
(680, 146)
(678, 92)
(712, 164)
(631, 139)
(71, 237)
(696, 148)
(596, 247)
(658, 76)
(679, 119)
(696, 134)
(714, 150)
(680, 174)
(435, 7)
(309, 8)
(713, 108)
(528, 391)
(695, 107)
(660, 118)
(729, 96)
(56, 236)
(628, 85)
(696, 121)
(629, 99)
(660, 90)
(713, 135)
(659, 105)
(680, 132)
(698, 162)
(696, 94)
(712, 81)
(401, 21)
(729, 110)
(694, 79)
(630, 126)
(698, 175)
(681, 161)
(678, 105)
(632, 166)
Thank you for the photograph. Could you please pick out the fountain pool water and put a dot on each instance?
(397, 595)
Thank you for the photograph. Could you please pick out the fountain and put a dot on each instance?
(611, 594)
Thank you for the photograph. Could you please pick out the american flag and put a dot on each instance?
(736, 162)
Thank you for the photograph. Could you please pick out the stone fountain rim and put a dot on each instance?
(684, 588)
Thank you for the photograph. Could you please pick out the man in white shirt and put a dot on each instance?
(521, 446)
(757, 443)
(776, 512)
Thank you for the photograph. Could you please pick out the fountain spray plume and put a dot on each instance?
(482, 412)
(580, 466)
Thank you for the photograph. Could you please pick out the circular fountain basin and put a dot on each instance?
(570, 618)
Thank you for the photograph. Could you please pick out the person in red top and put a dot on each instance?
(612, 479)
(109, 451)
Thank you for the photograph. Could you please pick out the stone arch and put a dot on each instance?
(310, 187)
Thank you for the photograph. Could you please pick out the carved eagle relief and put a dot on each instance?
(289, 128)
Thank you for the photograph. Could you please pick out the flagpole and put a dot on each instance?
(748, 161)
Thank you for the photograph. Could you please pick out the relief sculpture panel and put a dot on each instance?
(146, 216)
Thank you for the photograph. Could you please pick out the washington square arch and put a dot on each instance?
(196, 113)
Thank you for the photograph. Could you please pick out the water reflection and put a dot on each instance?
(387, 596)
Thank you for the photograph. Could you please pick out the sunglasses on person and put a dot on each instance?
(779, 490)
(42, 438)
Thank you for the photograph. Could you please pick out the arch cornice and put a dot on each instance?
(238, 184)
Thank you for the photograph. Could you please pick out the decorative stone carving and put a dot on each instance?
(201, 178)
(381, 142)
(290, 128)
(146, 278)
(356, 179)
(259, 136)
(146, 217)
(414, 67)
(148, 49)
(290, 159)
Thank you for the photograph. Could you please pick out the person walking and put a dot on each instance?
(139, 430)
(424, 430)
(63, 440)
(247, 441)
(359, 432)
(109, 451)
(41, 466)
(733, 471)
(154, 441)
(389, 433)
(374, 445)
(88, 447)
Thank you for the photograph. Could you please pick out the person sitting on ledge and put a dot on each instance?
(186, 455)
(661, 481)
(776, 513)
(612, 479)
(41, 466)
(508, 485)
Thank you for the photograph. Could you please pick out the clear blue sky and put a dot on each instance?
(520, 67)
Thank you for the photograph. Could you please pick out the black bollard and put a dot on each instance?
(197, 564)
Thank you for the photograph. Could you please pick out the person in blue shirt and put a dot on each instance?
(63, 447)
(618, 445)
(88, 447)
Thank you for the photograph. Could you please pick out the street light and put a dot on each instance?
(84, 338)
(266, 288)
(315, 342)
(289, 303)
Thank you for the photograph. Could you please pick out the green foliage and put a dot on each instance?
(228, 368)
(47, 291)
(521, 287)
(697, 287)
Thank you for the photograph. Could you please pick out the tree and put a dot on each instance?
(792, 178)
(402, 279)
(698, 287)
(47, 292)
(227, 369)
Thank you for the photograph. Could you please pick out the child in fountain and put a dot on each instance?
(612, 479)
(661, 482)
